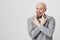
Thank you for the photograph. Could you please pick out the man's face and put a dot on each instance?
(40, 9)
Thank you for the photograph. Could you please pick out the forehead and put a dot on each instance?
(40, 5)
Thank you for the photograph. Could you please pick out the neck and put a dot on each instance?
(39, 16)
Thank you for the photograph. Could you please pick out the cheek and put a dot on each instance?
(38, 11)
(42, 11)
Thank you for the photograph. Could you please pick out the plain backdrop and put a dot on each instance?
(14, 14)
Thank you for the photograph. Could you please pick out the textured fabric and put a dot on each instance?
(43, 32)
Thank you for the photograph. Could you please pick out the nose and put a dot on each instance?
(39, 11)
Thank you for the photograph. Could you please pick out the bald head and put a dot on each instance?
(40, 8)
(41, 4)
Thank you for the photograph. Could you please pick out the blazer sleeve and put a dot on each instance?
(51, 26)
(32, 32)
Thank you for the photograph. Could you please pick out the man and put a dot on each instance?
(41, 26)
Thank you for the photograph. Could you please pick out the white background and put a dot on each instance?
(14, 14)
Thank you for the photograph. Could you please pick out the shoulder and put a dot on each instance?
(51, 18)
(30, 18)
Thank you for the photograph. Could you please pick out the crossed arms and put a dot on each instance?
(47, 31)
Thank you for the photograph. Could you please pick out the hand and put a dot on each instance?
(36, 22)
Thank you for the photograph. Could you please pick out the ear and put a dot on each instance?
(45, 9)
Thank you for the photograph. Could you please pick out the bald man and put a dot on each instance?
(41, 26)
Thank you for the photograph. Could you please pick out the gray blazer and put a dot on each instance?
(44, 32)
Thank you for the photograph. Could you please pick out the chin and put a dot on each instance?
(39, 15)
